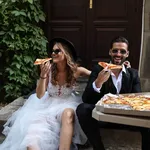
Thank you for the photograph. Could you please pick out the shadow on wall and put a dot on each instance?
(145, 73)
(145, 68)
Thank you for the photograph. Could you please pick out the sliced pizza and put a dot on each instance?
(41, 61)
(110, 66)
(140, 102)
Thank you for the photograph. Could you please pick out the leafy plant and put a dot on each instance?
(21, 42)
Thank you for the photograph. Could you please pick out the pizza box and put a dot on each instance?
(120, 111)
(120, 119)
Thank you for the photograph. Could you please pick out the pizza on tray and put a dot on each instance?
(136, 102)
(110, 66)
(41, 61)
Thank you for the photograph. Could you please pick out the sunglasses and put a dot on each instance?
(122, 51)
(56, 51)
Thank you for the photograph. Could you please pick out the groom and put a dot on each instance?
(103, 81)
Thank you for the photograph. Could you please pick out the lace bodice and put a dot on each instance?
(59, 91)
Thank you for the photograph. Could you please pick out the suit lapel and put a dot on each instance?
(125, 82)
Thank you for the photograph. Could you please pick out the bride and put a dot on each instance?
(47, 120)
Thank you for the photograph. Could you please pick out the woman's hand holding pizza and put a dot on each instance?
(102, 77)
(45, 68)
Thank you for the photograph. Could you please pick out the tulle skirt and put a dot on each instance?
(38, 123)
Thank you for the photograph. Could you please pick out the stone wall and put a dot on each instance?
(144, 69)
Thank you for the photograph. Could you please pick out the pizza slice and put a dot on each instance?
(110, 66)
(41, 61)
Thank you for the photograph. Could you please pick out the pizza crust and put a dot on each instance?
(110, 66)
(41, 61)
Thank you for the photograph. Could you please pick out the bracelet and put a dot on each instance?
(43, 77)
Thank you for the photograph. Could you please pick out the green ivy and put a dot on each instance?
(21, 42)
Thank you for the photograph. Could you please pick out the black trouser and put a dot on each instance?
(91, 127)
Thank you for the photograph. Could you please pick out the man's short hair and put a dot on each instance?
(119, 39)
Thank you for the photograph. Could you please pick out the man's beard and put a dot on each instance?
(120, 63)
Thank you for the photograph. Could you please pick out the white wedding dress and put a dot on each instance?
(38, 122)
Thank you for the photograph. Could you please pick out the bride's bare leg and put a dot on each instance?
(66, 129)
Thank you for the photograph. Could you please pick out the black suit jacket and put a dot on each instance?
(130, 84)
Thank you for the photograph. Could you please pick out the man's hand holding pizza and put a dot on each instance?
(102, 77)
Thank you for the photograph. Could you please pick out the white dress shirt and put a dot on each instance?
(116, 81)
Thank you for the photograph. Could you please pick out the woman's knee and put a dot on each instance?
(68, 116)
